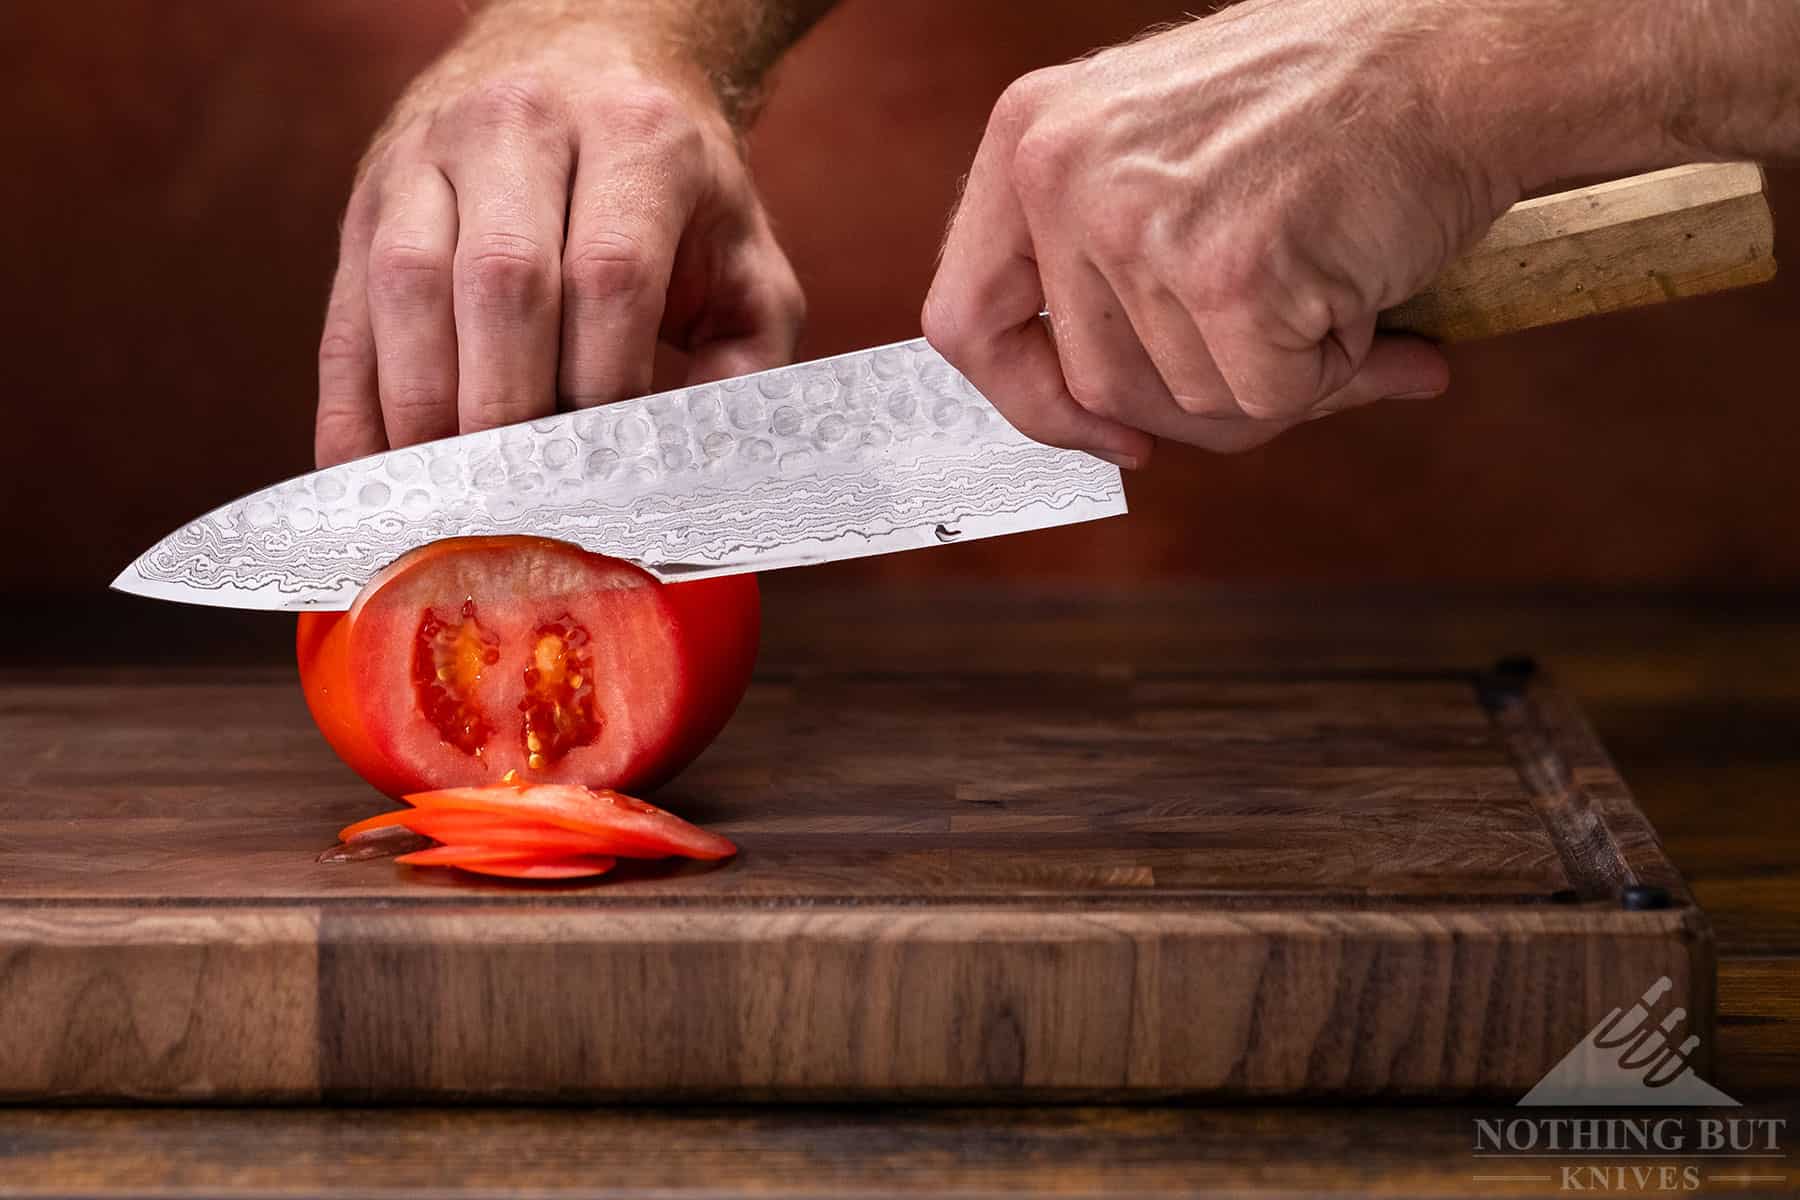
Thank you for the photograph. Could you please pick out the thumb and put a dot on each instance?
(1397, 367)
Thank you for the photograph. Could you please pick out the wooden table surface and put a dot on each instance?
(1699, 702)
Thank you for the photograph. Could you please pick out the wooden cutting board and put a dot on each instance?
(1106, 883)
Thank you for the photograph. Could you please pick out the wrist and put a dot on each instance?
(719, 51)
(1547, 90)
(598, 41)
(1522, 86)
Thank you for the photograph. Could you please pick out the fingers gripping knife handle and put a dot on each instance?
(1681, 232)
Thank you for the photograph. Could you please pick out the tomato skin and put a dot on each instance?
(710, 626)
(322, 647)
(723, 620)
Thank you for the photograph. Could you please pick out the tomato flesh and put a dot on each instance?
(449, 657)
(473, 658)
(558, 705)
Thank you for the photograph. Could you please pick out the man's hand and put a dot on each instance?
(1213, 216)
(546, 202)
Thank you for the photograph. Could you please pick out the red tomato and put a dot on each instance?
(473, 657)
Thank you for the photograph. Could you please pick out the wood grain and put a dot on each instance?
(1685, 231)
(937, 1003)
(1699, 701)
(1007, 885)
(157, 1003)
(804, 1152)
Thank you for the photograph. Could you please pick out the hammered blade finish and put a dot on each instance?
(866, 453)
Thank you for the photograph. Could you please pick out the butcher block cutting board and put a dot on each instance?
(1104, 883)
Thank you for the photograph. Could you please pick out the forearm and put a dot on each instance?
(730, 44)
(1552, 89)
(1731, 79)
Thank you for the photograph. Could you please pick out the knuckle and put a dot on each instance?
(1024, 97)
(1272, 409)
(1096, 390)
(1195, 404)
(1312, 313)
(942, 322)
(607, 266)
(507, 271)
(343, 349)
(1041, 162)
(415, 402)
(1122, 233)
(650, 114)
(402, 272)
(487, 409)
(511, 102)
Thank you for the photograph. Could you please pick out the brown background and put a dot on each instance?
(172, 178)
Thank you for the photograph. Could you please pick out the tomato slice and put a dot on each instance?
(474, 657)
(458, 828)
(647, 830)
(494, 860)
(569, 868)
(452, 856)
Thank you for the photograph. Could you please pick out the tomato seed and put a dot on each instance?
(559, 700)
(447, 663)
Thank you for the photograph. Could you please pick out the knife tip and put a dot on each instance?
(128, 581)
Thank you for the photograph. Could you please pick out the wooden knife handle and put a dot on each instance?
(1681, 232)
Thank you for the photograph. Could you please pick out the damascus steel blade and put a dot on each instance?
(881, 450)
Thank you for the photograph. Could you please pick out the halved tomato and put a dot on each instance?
(474, 657)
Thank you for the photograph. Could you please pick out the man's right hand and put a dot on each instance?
(545, 203)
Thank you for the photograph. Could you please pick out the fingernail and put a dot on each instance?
(1125, 462)
(1427, 395)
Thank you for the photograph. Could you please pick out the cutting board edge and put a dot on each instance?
(178, 1001)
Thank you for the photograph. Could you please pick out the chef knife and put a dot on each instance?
(883, 449)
